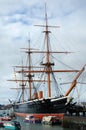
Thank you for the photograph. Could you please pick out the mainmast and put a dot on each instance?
(47, 54)
(29, 74)
(48, 64)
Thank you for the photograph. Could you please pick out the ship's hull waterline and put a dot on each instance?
(41, 107)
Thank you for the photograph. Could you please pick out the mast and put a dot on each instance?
(22, 83)
(29, 67)
(47, 54)
(48, 64)
(29, 75)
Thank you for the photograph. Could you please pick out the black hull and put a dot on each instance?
(44, 106)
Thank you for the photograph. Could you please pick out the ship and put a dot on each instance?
(37, 104)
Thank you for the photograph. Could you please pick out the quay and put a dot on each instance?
(74, 122)
(75, 118)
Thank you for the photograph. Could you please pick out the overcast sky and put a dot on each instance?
(17, 18)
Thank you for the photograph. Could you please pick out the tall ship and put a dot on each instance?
(39, 81)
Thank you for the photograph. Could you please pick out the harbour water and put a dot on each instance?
(38, 126)
(29, 126)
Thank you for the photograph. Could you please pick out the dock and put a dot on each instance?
(74, 122)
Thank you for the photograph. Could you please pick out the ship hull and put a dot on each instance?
(51, 106)
(40, 115)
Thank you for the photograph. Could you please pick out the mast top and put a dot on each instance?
(46, 20)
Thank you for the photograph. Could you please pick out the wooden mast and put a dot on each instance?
(29, 67)
(22, 84)
(47, 54)
(48, 64)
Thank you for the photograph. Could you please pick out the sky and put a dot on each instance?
(17, 18)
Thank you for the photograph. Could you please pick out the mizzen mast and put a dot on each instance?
(23, 84)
